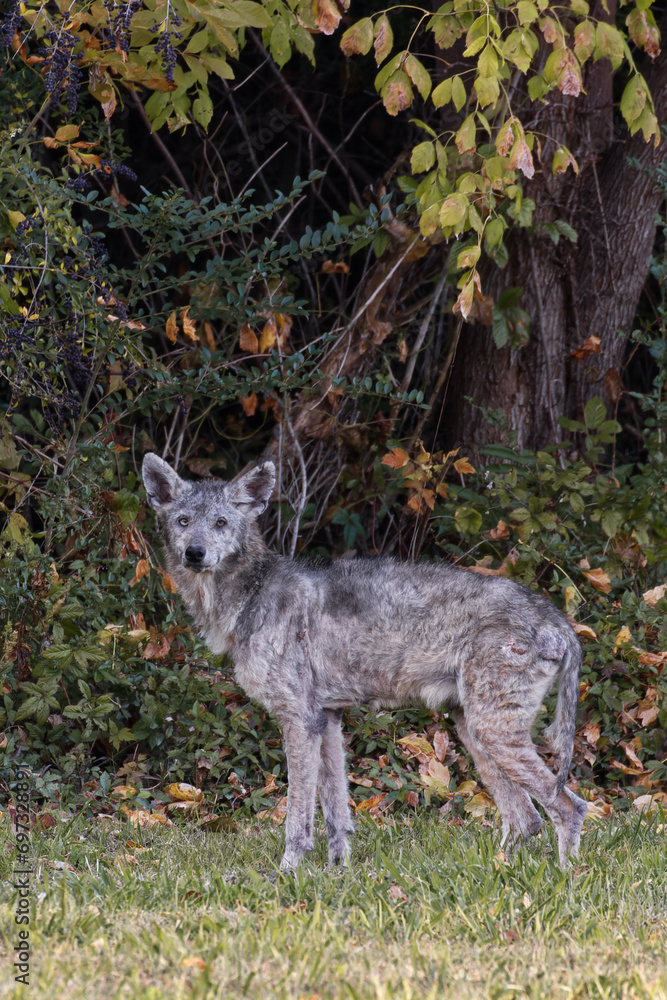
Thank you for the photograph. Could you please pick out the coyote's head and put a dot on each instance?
(204, 522)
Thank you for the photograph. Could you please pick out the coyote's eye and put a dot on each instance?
(221, 522)
(183, 520)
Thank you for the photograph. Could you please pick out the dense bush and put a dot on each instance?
(192, 328)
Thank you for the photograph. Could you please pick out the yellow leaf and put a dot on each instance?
(67, 132)
(463, 465)
(172, 327)
(367, 804)
(15, 218)
(180, 791)
(622, 637)
(269, 335)
(479, 804)
(416, 746)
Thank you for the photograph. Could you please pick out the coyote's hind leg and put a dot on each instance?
(520, 818)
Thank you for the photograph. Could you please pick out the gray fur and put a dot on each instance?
(308, 640)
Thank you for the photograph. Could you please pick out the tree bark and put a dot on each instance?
(571, 291)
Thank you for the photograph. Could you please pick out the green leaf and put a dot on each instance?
(442, 94)
(419, 75)
(595, 412)
(198, 41)
(527, 12)
(423, 157)
(487, 64)
(634, 98)
(459, 95)
(493, 233)
(609, 43)
(453, 210)
(468, 520)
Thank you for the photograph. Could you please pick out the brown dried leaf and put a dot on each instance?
(499, 533)
(647, 713)
(397, 95)
(157, 648)
(397, 894)
(172, 327)
(335, 267)
(623, 636)
(248, 339)
(599, 579)
(590, 346)
(277, 813)
(598, 809)
(463, 466)
(141, 817)
(396, 458)
(384, 39)
(167, 582)
(327, 16)
(436, 776)
(141, 569)
(521, 158)
(591, 733)
(189, 327)
(249, 404)
(193, 962)
(631, 754)
(651, 597)
(582, 629)
(441, 743)
(650, 803)
(416, 746)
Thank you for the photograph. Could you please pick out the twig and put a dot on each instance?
(161, 146)
(309, 121)
(442, 377)
(421, 336)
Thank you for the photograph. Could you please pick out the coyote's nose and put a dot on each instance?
(195, 553)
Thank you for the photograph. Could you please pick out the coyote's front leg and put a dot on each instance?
(303, 740)
(334, 793)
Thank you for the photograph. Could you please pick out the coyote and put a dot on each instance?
(308, 639)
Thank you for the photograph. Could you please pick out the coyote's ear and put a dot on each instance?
(162, 484)
(251, 493)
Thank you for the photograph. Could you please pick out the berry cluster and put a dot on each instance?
(62, 70)
(164, 45)
(120, 19)
(106, 171)
(10, 22)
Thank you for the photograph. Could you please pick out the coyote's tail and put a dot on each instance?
(560, 734)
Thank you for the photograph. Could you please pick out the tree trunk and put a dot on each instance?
(571, 291)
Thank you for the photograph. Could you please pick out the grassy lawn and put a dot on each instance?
(425, 911)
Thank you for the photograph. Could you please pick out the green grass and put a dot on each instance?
(424, 912)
